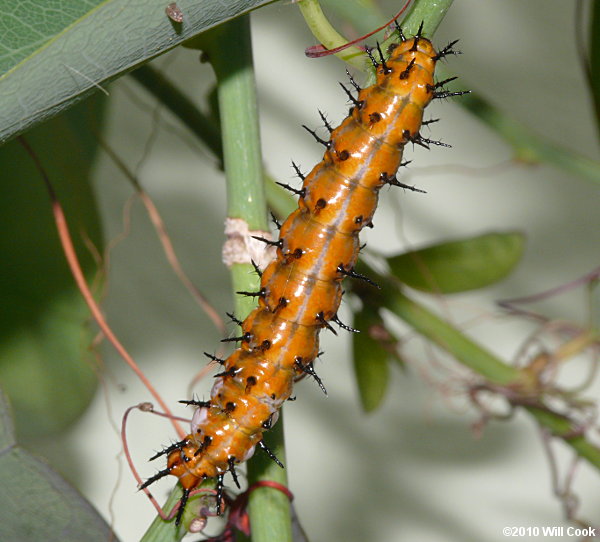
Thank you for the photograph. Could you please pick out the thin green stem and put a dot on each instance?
(528, 146)
(475, 357)
(370, 11)
(181, 106)
(446, 336)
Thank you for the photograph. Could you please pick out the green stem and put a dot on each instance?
(475, 357)
(268, 521)
(229, 49)
(327, 35)
(181, 106)
(163, 531)
(429, 12)
(440, 332)
(528, 146)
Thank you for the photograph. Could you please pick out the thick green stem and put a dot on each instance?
(229, 49)
(162, 531)
(270, 515)
(428, 12)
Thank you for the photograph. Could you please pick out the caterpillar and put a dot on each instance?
(318, 246)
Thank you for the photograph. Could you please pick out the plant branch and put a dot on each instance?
(229, 49)
(472, 355)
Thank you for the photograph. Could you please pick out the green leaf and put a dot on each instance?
(36, 503)
(462, 265)
(45, 363)
(52, 53)
(372, 348)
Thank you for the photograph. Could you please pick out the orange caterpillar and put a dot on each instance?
(301, 289)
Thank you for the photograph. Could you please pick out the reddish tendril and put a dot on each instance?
(317, 51)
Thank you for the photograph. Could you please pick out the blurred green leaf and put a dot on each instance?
(462, 265)
(53, 53)
(594, 55)
(372, 348)
(45, 364)
(36, 503)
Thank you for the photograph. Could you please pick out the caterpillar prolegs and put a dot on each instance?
(318, 247)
